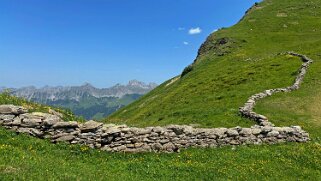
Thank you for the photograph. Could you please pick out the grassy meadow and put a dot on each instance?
(221, 80)
(27, 158)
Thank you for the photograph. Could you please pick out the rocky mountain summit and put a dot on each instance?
(75, 93)
(86, 100)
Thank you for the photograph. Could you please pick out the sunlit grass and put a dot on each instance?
(209, 96)
(26, 158)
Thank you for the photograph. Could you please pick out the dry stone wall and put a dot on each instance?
(172, 138)
(247, 109)
(111, 137)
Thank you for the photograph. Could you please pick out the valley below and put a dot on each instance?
(85, 101)
(247, 108)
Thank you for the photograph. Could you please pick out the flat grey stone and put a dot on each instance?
(71, 124)
(90, 126)
(11, 109)
(65, 138)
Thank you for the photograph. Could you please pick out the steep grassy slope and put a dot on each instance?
(209, 95)
(237, 62)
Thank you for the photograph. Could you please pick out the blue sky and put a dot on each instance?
(104, 42)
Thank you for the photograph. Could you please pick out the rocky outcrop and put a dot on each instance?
(115, 138)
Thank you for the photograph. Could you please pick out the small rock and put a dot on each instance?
(234, 142)
(37, 115)
(119, 148)
(71, 124)
(246, 131)
(125, 130)
(266, 129)
(297, 128)
(90, 126)
(158, 129)
(65, 138)
(288, 130)
(106, 126)
(51, 120)
(178, 130)
(164, 141)
(6, 117)
(106, 148)
(16, 121)
(31, 123)
(142, 131)
(170, 147)
(31, 131)
(130, 145)
(111, 130)
(138, 145)
(157, 147)
(231, 132)
(273, 134)
(262, 117)
(256, 131)
(220, 132)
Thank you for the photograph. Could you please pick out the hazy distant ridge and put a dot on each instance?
(76, 92)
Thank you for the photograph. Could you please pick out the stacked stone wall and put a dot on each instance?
(172, 138)
(114, 138)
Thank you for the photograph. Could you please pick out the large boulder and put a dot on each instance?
(11, 109)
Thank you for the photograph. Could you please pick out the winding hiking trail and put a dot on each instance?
(247, 109)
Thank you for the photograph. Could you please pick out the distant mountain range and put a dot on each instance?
(85, 100)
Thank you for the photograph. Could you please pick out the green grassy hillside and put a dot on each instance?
(27, 158)
(234, 63)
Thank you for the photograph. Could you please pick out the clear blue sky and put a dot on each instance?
(104, 42)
